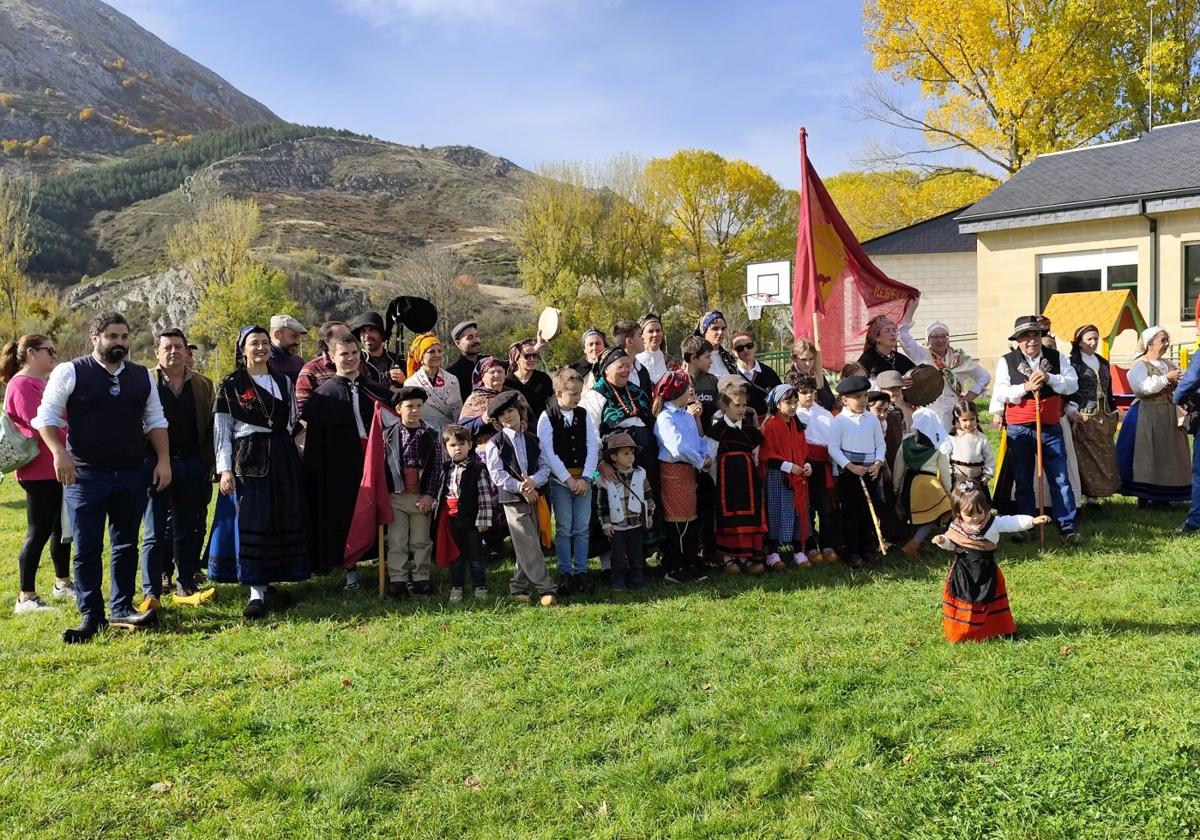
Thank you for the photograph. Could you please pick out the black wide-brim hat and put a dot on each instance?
(1027, 323)
(412, 313)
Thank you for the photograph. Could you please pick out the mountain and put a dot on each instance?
(94, 83)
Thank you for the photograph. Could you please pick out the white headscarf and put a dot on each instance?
(1149, 333)
(934, 326)
(927, 422)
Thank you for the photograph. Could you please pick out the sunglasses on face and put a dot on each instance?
(742, 348)
(529, 356)
(115, 388)
(53, 353)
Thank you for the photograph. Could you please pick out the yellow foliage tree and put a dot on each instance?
(16, 202)
(234, 288)
(87, 114)
(875, 203)
(1003, 80)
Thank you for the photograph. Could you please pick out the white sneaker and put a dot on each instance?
(32, 605)
(63, 592)
(481, 593)
(800, 558)
(773, 559)
(456, 595)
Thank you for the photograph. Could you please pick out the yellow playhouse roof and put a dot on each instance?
(1112, 312)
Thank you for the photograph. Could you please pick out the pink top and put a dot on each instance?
(21, 400)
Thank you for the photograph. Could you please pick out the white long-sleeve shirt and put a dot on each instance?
(1004, 392)
(818, 422)
(62, 384)
(857, 433)
(501, 477)
(1148, 377)
(545, 434)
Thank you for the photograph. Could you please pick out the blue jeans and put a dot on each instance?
(170, 523)
(572, 516)
(1022, 448)
(1193, 515)
(120, 497)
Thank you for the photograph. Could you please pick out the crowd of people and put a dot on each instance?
(710, 460)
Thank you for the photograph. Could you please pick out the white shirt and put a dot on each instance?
(1147, 377)
(818, 424)
(655, 363)
(62, 384)
(718, 368)
(856, 433)
(971, 449)
(1005, 393)
(226, 429)
(545, 434)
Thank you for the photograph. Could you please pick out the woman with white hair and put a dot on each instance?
(1152, 451)
(966, 379)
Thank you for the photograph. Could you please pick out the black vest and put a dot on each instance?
(182, 431)
(468, 488)
(105, 429)
(570, 442)
(1013, 359)
(508, 454)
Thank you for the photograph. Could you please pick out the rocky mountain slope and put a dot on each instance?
(95, 83)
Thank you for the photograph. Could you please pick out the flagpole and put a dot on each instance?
(382, 566)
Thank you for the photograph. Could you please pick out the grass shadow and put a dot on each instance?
(1105, 627)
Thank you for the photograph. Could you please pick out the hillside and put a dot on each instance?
(95, 83)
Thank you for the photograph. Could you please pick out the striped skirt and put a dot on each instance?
(975, 601)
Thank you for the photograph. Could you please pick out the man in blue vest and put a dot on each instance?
(113, 407)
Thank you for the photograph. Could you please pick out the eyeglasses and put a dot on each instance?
(742, 348)
(115, 388)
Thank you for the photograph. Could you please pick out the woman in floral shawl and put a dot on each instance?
(966, 379)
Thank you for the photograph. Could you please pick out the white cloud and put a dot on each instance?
(458, 13)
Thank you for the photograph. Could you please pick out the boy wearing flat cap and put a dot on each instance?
(515, 463)
(414, 467)
(858, 449)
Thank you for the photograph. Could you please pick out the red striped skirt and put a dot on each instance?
(972, 620)
(678, 483)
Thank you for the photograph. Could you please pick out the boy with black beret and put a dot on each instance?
(858, 449)
(414, 467)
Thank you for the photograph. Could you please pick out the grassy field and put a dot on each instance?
(820, 704)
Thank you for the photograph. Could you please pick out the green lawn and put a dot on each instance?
(820, 704)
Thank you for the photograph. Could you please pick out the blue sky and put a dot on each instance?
(548, 80)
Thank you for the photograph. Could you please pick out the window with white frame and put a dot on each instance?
(1087, 271)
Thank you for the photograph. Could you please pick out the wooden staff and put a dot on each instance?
(382, 566)
(874, 518)
(1041, 490)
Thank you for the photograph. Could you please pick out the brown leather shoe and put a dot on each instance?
(548, 600)
(755, 569)
(911, 548)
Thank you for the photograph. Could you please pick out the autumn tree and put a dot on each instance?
(875, 203)
(16, 201)
(234, 288)
(1003, 81)
(436, 274)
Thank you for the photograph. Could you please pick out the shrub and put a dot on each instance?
(339, 265)
(7, 100)
(87, 114)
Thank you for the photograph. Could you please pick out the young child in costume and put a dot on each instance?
(517, 468)
(414, 461)
(466, 508)
(783, 463)
(741, 523)
(974, 598)
(922, 480)
(858, 450)
(571, 446)
(626, 508)
(682, 451)
(970, 453)
(818, 429)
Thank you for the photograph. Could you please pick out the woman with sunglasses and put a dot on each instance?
(534, 385)
(762, 378)
(25, 366)
(879, 349)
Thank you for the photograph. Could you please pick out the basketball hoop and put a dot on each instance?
(754, 304)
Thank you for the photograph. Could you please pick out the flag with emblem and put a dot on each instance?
(837, 285)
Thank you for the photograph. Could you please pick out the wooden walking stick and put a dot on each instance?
(1041, 479)
(874, 517)
(382, 566)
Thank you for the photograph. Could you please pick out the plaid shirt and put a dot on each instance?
(487, 494)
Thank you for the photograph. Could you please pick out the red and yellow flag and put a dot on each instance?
(835, 279)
